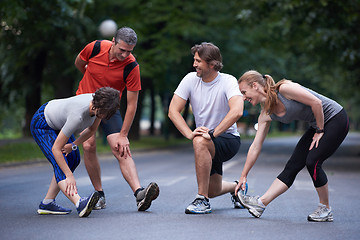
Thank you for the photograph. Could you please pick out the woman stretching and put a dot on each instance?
(286, 101)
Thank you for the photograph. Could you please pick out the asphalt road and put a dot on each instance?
(23, 187)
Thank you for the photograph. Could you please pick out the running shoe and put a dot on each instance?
(235, 198)
(52, 208)
(86, 205)
(101, 204)
(321, 214)
(146, 196)
(251, 204)
(200, 205)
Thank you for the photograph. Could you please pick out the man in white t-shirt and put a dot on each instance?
(217, 104)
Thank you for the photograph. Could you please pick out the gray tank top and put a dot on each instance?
(299, 111)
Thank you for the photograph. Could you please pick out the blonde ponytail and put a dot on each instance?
(270, 88)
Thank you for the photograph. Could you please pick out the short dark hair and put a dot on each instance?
(126, 34)
(209, 53)
(107, 101)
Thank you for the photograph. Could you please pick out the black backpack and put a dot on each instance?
(128, 68)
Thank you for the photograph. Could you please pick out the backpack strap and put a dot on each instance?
(96, 49)
(128, 68)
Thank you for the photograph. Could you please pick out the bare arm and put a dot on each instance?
(80, 64)
(177, 104)
(236, 104)
(88, 132)
(122, 141)
(59, 143)
(132, 100)
(264, 122)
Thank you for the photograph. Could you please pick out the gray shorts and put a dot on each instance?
(113, 125)
(226, 147)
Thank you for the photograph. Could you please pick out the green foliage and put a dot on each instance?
(20, 152)
(36, 49)
(168, 29)
(315, 43)
(324, 34)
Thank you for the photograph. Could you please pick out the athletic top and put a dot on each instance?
(100, 72)
(209, 101)
(299, 111)
(71, 115)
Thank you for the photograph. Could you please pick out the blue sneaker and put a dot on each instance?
(52, 208)
(86, 205)
(235, 199)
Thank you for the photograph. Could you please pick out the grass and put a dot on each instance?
(20, 152)
(29, 150)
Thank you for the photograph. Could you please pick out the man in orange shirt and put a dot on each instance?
(110, 64)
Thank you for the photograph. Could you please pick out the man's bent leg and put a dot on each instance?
(144, 196)
(127, 166)
(219, 187)
(92, 162)
(204, 150)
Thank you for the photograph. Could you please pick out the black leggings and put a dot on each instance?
(336, 130)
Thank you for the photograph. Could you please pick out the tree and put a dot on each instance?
(37, 41)
(312, 42)
(322, 39)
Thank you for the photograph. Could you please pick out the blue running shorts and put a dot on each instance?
(45, 137)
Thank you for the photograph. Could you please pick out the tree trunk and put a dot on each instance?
(32, 83)
(153, 110)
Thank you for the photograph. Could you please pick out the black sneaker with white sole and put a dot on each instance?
(145, 196)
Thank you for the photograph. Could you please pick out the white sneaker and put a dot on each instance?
(251, 204)
(321, 214)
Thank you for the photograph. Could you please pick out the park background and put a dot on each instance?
(314, 43)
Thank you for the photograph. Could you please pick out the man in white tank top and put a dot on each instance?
(217, 104)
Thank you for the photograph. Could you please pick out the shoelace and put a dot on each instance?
(320, 210)
(248, 198)
(82, 199)
(56, 205)
(199, 201)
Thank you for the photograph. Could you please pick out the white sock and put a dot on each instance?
(47, 201)
(77, 204)
(199, 196)
(202, 197)
(261, 203)
(323, 205)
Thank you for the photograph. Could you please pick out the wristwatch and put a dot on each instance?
(73, 147)
(318, 130)
(211, 133)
